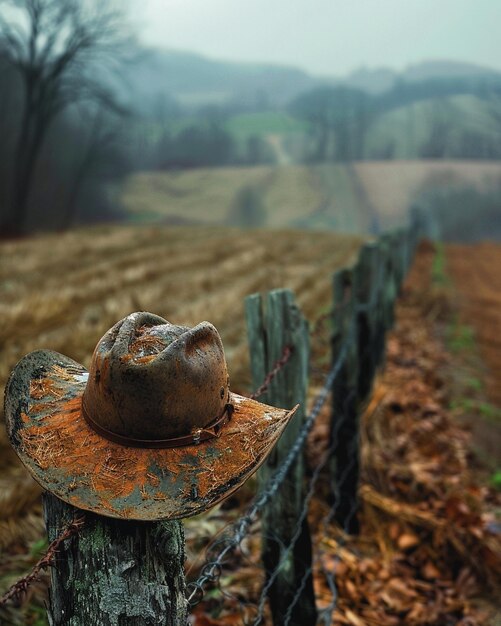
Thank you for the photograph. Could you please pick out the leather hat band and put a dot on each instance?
(197, 436)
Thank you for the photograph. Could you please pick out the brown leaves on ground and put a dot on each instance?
(430, 548)
(429, 552)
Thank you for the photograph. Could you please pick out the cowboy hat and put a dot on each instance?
(151, 432)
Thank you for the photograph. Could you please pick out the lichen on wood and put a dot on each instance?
(116, 572)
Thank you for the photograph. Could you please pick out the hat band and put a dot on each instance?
(194, 438)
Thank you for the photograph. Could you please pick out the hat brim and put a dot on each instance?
(69, 459)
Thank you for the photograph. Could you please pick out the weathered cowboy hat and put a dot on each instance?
(151, 432)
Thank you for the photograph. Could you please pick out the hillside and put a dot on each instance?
(194, 79)
(356, 198)
(459, 126)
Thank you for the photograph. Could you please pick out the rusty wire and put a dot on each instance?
(307, 499)
(74, 527)
(47, 560)
(212, 569)
(325, 615)
(277, 367)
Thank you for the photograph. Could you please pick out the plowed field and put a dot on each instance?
(476, 272)
(64, 291)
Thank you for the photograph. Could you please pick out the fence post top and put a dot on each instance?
(57, 416)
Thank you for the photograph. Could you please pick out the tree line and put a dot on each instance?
(69, 136)
(340, 119)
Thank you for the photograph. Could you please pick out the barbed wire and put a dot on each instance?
(212, 570)
(46, 561)
(215, 573)
(277, 367)
(304, 512)
(332, 511)
(21, 585)
(325, 615)
(348, 340)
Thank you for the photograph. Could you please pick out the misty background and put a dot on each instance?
(304, 114)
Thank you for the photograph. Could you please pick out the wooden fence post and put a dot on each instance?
(273, 324)
(404, 251)
(378, 303)
(365, 283)
(116, 572)
(401, 254)
(391, 239)
(389, 287)
(345, 463)
(364, 299)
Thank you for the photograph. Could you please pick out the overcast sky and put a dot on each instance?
(327, 36)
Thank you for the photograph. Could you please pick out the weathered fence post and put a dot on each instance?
(400, 256)
(366, 271)
(390, 286)
(147, 434)
(391, 239)
(273, 323)
(364, 299)
(344, 432)
(378, 303)
(116, 571)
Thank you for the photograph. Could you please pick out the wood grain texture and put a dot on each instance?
(116, 573)
(273, 323)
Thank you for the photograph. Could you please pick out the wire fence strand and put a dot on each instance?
(47, 560)
(212, 570)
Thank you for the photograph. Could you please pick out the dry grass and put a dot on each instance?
(63, 291)
(391, 185)
(294, 193)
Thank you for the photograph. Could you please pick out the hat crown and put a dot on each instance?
(152, 380)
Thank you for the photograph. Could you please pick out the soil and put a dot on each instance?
(474, 335)
(476, 273)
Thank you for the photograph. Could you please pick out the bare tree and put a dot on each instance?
(99, 143)
(61, 50)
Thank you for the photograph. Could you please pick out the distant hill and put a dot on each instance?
(379, 80)
(193, 79)
(443, 68)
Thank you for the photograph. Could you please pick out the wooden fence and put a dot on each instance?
(362, 313)
(131, 573)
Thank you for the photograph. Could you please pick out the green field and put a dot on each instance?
(264, 123)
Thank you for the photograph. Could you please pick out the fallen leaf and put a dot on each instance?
(430, 571)
(407, 540)
(354, 619)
